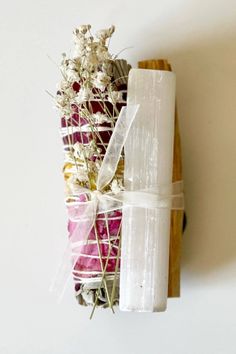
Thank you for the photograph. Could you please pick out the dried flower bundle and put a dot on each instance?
(90, 96)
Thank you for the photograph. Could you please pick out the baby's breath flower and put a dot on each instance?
(72, 65)
(79, 150)
(101, 80)
(90, 61)
(68, 95)
(71, 75)
(102, 53)
(87, 76)
(115, 186)
(100, 118)
(83, 29)
(83, 152)
(82, 174)
(61, 101)
(105, 33)
(83, 95)
(64, 85)
(115, 96)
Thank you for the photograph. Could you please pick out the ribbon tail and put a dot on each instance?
(116, 144)
(79, 235)
(61, 279)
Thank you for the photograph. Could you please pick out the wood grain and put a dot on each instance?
(176, 215)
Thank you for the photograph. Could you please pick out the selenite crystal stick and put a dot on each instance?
(148, 166)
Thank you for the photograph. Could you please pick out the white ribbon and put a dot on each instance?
(84, 213)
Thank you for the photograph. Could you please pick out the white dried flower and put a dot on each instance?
(78, 150)
(61, 101)
(83, 95)
(71, 75)
(81, 42)
(99, 118)
(115, 186)
(71, 65)
(82, 174)
(90, 61)
(105, 33)
(64, 85)
(101, 80)
(115, 96)
(83, 29)
(83, 152)
(102, 53)
(70, 93)
(112, 30)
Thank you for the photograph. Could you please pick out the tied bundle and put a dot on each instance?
(90, 96)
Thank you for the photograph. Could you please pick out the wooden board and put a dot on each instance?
(176, 215)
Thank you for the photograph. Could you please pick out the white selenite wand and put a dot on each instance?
(148, 165)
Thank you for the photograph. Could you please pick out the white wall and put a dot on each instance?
(198, 37)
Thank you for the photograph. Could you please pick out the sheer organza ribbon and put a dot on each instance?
(84, 213)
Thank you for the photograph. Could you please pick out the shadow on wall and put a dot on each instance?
(206, 96)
